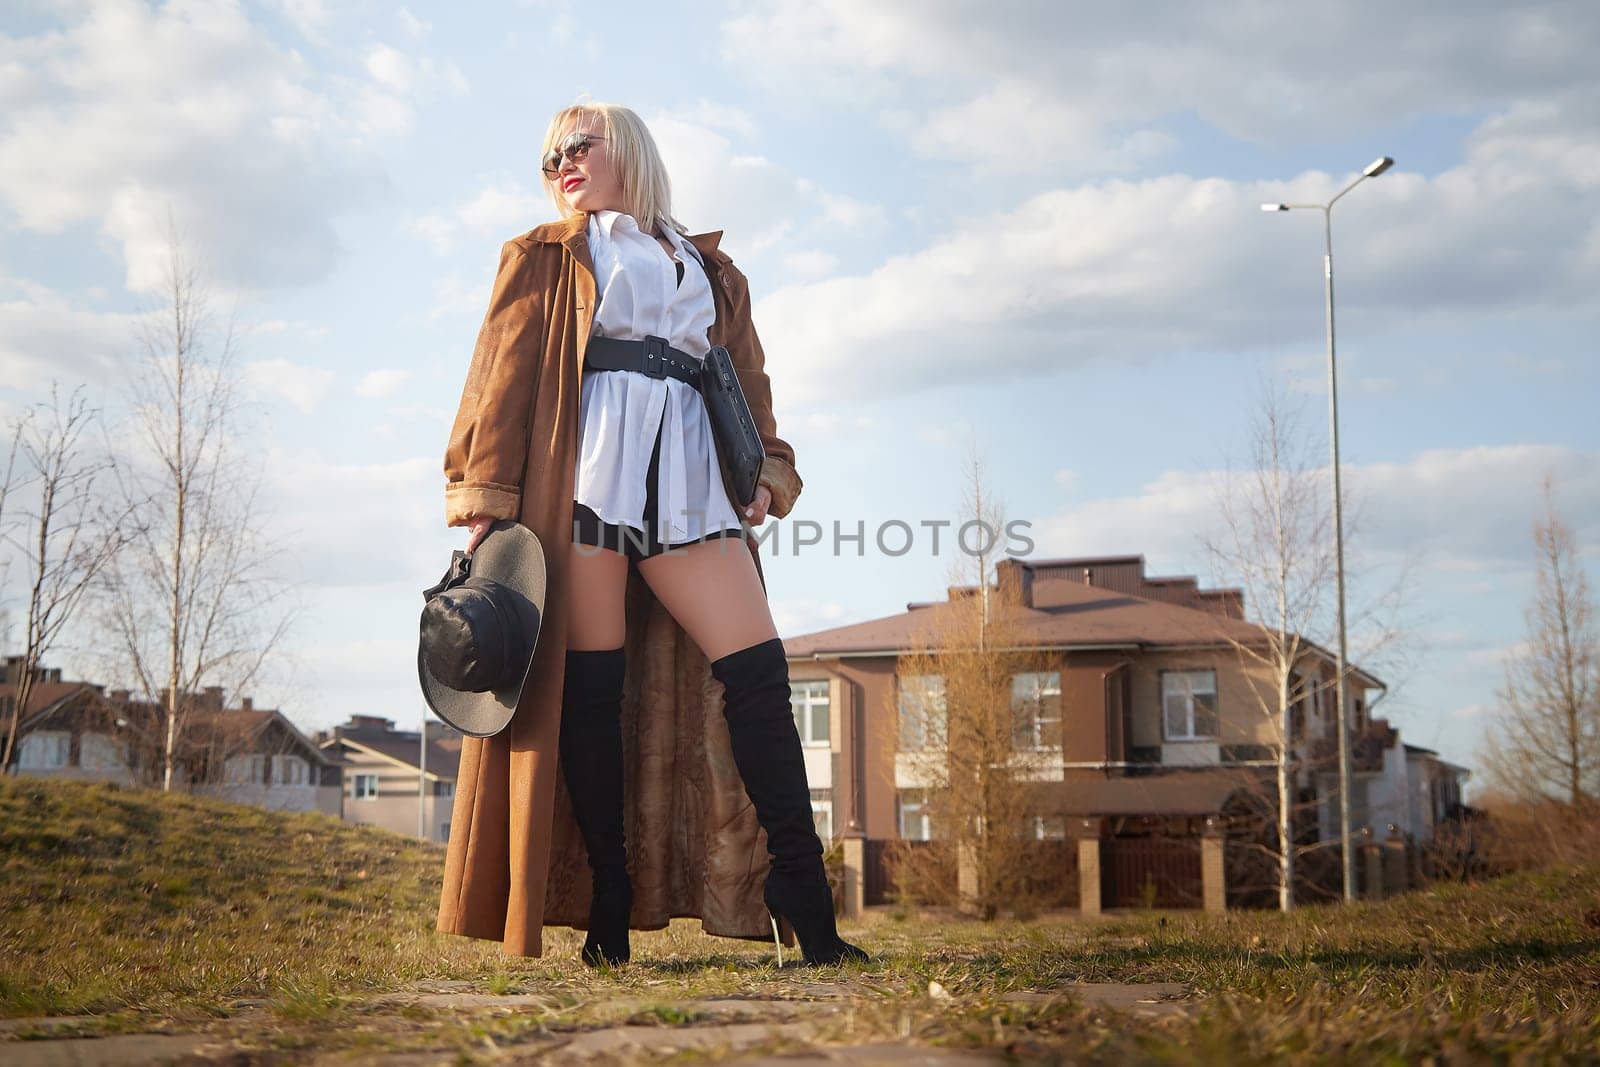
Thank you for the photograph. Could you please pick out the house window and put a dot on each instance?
(913, 815)
(1048, 827)
(366, 786)
(100, 752)
(922, 712)
(288, 770)
(444, 831)
(1299, 702)
(1036, 710)
(241, 770)
(809, 701)
(443, 788)
(45, 750)
(1189, 704)
(822, 813)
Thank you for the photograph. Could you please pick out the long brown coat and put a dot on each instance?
(516, 860)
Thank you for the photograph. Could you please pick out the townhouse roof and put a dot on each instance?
(444, 753)
(1078, 603)
(1174, 793)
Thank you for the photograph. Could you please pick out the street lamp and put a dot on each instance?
(1375, 168)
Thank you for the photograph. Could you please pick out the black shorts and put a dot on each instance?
(589, 529)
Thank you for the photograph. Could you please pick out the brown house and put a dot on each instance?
(1149, 727)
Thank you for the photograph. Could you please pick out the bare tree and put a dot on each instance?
(192, 601)
(71, 538)
(1274, 541)
(1546, 741)
(973, 729)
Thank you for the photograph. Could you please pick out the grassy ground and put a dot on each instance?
(136, 911)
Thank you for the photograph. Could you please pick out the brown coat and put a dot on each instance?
(516, 860)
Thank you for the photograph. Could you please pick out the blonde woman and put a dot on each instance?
(619, 476)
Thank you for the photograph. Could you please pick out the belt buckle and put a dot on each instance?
(655, 356)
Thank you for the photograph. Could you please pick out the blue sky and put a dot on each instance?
(1035, 226)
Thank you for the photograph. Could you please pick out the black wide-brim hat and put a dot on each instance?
(502, 582)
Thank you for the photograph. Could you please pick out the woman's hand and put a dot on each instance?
(479, 528)
(755, 513)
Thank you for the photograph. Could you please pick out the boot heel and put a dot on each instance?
(777, 942)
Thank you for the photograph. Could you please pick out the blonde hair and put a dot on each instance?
(646, 190)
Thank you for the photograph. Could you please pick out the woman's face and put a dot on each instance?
(591, 184)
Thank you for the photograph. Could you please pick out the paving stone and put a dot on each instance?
(118, 1050)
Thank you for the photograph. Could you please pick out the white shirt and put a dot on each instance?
(639, 294)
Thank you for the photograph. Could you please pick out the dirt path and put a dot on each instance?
(451, 1023)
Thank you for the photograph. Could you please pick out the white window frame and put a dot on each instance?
(1049, 827)
(809, 700)
(1185, 685)
(822, 818)
(911, 815)
(45, 750)
(1040, 693)
(925, 693)
(289, 769)
(356, 781)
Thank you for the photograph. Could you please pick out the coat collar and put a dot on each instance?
(573, 231)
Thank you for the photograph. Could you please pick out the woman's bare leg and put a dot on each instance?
(595, 614)
(714, 592)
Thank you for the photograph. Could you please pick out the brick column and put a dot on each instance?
(1396, 865)
(855, 876)
(966, 877)
(1087, 831)
(1214, 871)
(1371, 856)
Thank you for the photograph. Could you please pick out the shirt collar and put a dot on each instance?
(607, 220)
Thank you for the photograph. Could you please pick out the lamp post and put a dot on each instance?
(1375, 168)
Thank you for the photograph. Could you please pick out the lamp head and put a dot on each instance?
(1274, 207)
(1378, 166)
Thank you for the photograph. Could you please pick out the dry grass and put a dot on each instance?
(138, 908)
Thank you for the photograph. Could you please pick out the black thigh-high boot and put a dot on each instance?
(591, 760)
(766, 749)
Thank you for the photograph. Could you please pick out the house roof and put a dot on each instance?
(1064, 614)
(444, 753)
(1176, 793)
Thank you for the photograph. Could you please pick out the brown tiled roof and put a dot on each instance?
(1065, 614)
(444, 753)
(1176, 793)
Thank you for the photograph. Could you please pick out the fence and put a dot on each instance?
(1162, 872)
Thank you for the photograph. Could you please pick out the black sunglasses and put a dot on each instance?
(575, 147)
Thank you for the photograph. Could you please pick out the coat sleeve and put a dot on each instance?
(485, 458)
(749, 362)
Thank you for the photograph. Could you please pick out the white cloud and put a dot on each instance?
(304, 387)
(1457, 506)
(947, 73)
(129, 112)
(383, 382)
(498, 211)
(1124, 270)
(44, 334)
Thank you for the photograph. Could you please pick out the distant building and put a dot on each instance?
(384, 777)
(247, 754)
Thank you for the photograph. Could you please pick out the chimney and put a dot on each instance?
(246, 704)
(213, 698)
(1015, 580)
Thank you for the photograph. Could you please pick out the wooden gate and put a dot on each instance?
(1162, 872)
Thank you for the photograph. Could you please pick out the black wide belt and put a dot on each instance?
(652, 356)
